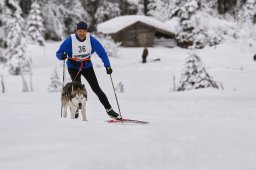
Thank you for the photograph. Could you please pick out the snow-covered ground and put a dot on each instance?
(195, 130)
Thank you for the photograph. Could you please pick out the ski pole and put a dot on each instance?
(63, 75)
(115, 95)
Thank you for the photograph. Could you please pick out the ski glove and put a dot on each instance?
(109, 70)
(64, 56)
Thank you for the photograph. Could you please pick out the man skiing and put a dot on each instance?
(77, 48)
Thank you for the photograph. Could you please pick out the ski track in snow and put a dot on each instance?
(202, 129)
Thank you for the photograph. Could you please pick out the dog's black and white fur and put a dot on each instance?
(74, 96)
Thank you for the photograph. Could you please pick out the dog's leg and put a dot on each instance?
(72, 111)
(65, 108)
(83, 112)
(77, 113)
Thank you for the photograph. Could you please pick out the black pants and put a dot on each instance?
(91, 78)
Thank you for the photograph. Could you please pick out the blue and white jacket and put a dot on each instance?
(66, 46)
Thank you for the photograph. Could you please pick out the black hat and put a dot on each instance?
(81, 26)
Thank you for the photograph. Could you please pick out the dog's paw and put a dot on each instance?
(85, 120)
(76, 115)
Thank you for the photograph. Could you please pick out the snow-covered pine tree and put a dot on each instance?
(7, 8)
(248, 12)
(209, 4)
(35, 25)
(15, 52)
(53, 20)
(107, 11)
(159, 9)
(72, 12)
(215, 34)
(61, 16)
(227, 6)
(191, 33)
(129, 7)
(2, 26)
(194, 75)
(25, 6)
(91, 7)
(142, 7)
(112, 48)
(16, 45)
(55, 85)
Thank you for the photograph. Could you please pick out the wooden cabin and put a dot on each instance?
(135, 31)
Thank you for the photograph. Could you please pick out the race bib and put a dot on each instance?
(81, 50)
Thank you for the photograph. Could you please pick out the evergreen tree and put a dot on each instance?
(55, 85)
(2, 23)
(15, 52)
(227, 6)
(91, 7)
(25, 5)
(73, 13)
(35, 24)
(129, 7)
(159, 9)
(248, 12)
(107, 11)
(191, 33)
(7, 8)
(195, 76)
(16, 45)
(144, 6)
(53, 20)
(61, 16)
(112, 48)
(209, 6)
(209, 3)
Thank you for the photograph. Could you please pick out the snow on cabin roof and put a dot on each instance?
(173, 24)
(118, 23)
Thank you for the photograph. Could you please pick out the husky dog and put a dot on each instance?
(74, 96)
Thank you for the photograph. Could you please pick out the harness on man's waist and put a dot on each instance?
(82, 60)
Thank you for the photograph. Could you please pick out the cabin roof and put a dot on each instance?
(117, 24)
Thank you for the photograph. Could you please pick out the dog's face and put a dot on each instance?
(78, 97)
(78, 100)
(75, 93)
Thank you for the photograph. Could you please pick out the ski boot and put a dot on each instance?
(112, 114)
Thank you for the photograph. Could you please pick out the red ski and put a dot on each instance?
(125, 121)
